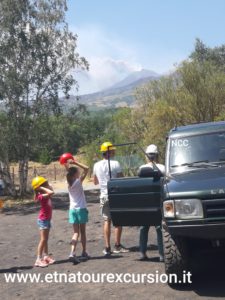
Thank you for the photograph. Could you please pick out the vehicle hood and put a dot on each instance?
(203, 183)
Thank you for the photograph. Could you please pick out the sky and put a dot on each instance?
(118, 37)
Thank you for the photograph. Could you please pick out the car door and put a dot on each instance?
(135, 201)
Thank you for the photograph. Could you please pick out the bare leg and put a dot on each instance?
(46, 243)
(107, 232)
(43, 244)
(75, 237)
(83, 236)
(118, 233)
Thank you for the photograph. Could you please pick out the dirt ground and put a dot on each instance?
(18, 242)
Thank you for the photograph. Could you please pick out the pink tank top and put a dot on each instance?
(46, 207)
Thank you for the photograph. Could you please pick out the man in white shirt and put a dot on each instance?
(102, 176)
(152, 153)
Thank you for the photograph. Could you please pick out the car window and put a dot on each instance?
(196, 149)
(130, 157)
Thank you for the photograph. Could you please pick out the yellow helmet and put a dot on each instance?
(37, 182)
(107, 146)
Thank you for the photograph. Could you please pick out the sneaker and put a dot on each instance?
(161, 258)
(120, 249)
(41, 263)
(49, 260)
(74, 259)
(144, 257)
(71, 257)
(107, 251)
(85, 255)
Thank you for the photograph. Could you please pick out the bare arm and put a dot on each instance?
(96, 182)
(84, 168)
(68, 164)
(80, 165)
(47, 192)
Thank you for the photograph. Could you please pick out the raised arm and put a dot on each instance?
(84, 168)
(47, 191)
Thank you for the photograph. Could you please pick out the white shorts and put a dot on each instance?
(104, 208)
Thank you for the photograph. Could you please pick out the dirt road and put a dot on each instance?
(18, 242)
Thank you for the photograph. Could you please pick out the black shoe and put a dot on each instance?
(75, 260)
(107, 251)
(144, 257)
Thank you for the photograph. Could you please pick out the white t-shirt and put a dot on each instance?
(76, 195)
(160, 166)
(101, 170)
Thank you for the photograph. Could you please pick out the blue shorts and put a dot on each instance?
(44, 224)
(78, 216)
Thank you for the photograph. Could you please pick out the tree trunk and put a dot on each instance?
(7, 178)
(23, 174)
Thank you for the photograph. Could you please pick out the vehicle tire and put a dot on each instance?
(175, 255)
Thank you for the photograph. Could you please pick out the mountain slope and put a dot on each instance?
(120, 94)
(134, 77)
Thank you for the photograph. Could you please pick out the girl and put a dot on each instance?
(43, 192)
(78, 213)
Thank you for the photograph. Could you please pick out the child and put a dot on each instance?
(43, 192)
(78, 213)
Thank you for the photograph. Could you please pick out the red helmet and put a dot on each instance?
(65, 157)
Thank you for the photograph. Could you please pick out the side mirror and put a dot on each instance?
(149, 172)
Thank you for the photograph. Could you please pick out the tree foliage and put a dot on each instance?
(37, 54)
(194, 93)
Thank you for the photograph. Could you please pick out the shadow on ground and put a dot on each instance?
(137, 249)
(60, 201)
(15, 269)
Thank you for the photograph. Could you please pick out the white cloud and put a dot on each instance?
(110, 59)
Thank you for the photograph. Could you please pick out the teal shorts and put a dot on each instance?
(78, 216)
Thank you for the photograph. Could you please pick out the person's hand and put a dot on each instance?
(50, 187)
(71, 161)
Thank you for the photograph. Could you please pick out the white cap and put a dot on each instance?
(152, 149)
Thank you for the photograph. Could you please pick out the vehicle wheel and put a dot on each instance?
(175, 255)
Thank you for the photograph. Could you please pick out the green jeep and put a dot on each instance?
(189, 201)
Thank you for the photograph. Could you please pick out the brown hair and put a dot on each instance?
(70, 174)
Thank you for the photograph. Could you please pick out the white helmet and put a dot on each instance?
(152, 149)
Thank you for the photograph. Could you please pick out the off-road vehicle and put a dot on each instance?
(189, 201)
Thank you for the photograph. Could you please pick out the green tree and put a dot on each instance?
(37, 54)
(203, 53)
(194, 93)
